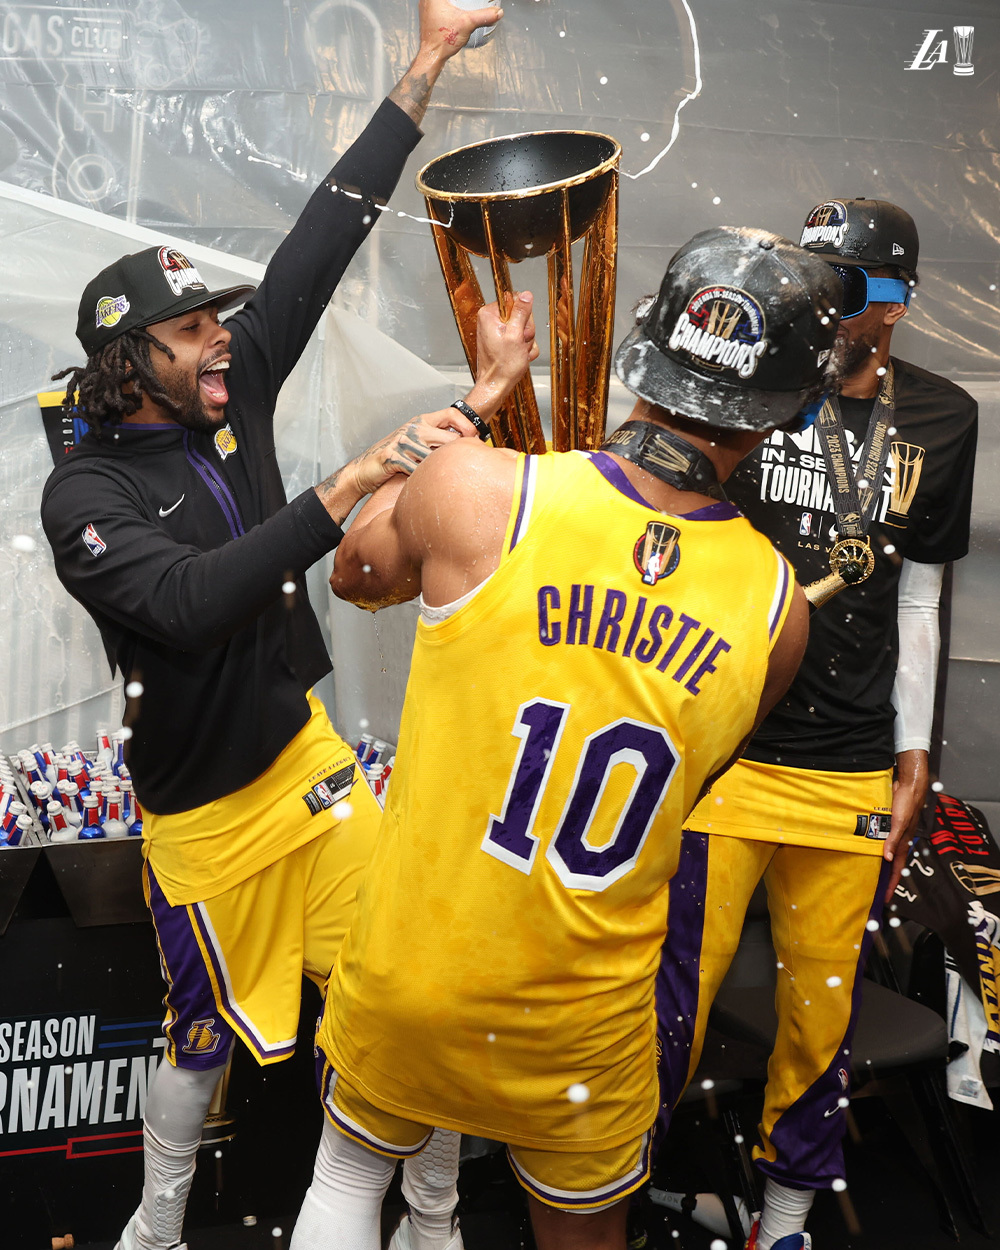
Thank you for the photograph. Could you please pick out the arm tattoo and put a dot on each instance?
(412, 93)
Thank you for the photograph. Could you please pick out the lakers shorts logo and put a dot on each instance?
(202, 1039)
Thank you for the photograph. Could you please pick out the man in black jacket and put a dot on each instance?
(169, 523)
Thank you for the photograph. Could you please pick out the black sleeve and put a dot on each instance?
(167, 591)
(942, 532)
(271, 331)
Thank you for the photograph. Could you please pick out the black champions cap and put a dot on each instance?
(144, 288)
(741, 333)
(869, 233)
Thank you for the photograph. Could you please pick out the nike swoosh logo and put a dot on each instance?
(832, 1111)
(167, 511)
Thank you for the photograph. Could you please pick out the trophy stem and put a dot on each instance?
(562, 337)
(521, 409)
(466, 297)
(596, 324)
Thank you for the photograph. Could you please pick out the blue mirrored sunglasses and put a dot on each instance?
(861, 289)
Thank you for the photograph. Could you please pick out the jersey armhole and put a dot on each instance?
(781, 600)
(521, 503)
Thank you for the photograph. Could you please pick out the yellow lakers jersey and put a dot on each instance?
(557, 730)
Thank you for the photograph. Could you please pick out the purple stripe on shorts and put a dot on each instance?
(357, 1132)
(807, 1138)
(189, 993)
(594, 1199)
(678, 977)
(245, 1026)
(525, 490)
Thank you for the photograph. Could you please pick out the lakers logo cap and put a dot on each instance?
(143, 288)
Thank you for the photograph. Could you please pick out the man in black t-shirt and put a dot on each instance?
(825, 798)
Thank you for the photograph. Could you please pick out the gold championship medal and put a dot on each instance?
(852, 560)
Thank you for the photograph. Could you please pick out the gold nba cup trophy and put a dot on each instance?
(535, 195)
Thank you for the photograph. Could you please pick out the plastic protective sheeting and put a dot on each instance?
(212, 122)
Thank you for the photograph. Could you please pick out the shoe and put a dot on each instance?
(129, 1239)
(400, 1239)
(794, 1241)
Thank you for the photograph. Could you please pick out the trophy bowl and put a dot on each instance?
(513, 192)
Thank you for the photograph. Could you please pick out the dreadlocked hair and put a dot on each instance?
(101, 382)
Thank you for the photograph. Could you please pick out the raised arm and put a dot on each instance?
(444, 30)
(271, 331)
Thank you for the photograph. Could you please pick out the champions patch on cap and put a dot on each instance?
(723, 328)
(179, 272)
(111, 309)
(826, 225)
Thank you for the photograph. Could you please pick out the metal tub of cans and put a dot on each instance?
(78, 810)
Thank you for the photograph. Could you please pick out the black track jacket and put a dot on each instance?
(177, 543)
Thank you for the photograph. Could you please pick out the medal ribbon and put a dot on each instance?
(855, 506)
(667, 456)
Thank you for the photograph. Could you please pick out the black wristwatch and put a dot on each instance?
(470, 413)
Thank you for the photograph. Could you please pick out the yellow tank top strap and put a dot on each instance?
(784, 588)
(516, 506)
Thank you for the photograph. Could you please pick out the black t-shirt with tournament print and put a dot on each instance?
(838, 716)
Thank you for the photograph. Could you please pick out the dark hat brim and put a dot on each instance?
(225, 298)
(652, 375)
(836, 258)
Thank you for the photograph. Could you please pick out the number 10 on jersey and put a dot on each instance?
(647, 749)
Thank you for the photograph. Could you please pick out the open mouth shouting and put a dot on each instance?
(212, 381)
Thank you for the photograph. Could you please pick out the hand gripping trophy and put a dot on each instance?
(534, 195)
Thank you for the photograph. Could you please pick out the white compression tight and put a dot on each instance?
(785, 1211)
(176, 1106)
(342, 1206)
